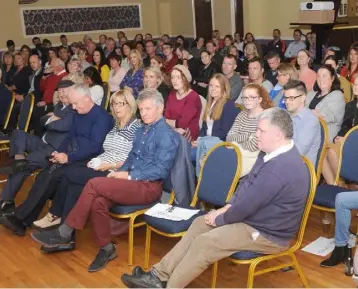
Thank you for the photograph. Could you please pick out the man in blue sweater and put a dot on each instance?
(263, 215)
(90, 126)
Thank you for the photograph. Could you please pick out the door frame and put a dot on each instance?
(212, 16)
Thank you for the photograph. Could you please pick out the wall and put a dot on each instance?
(222, 16)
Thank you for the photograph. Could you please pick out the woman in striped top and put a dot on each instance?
(116, 147)
(243, 131)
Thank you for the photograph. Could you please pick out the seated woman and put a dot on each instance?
(250, 51)
(99, 62)
(117, 72)
(82, 55)
(183, 108)
(93, 79)
(285, 72)
(327, 100)
(234, 51)
(125, 50)
(205, 72)
(133, 80)
(52, 54)
(350, 119)
(153, 78)
(7, 68)
(351, 68)
(116, 146)
(158, 61)
(306, 74)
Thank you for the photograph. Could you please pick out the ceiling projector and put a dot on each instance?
(317, 6)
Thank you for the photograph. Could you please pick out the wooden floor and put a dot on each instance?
(22, 264)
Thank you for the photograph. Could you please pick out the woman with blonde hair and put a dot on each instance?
(153, 78)
(250, 52)
(116, 147)
(133, 80)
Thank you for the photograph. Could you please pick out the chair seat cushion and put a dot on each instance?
(125, 210)
(326, 195)
(171, 227)
(246, 255)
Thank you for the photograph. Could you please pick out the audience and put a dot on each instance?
(277, 45)
(100, 63)
(197, 47)
(273, 61)
(64, 55)
(8, 68)
(306, 74)
(153, 79)
(250, 52)
(93, 79)
(150, 51)
(126, 50)
(263, 216)
(327, 100)
(214, 54)
(295, 46)
(350, 70)
(228, 69)
(117, 73)
(133, 80)
(170, 57)
(239, 44)
(228, 41)
(82, 55)
(188, 60)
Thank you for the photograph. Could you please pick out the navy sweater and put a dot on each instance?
(87, 134)
(271, 198)
(222, 126)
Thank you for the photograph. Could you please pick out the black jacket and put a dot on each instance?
(350, 118)
(37, 92)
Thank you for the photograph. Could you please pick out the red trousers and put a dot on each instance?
(101, 194)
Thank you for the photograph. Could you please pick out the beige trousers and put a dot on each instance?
(203, 245)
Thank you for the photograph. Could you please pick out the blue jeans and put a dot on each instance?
(204, 145)
(345, 202)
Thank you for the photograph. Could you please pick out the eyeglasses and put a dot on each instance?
(251, 98)
(291, 98)
(119, 104)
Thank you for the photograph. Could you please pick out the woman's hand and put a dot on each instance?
(180, 131)
(194, 143)
(171, 122)
(104, 167)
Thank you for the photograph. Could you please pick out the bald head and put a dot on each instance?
(80, 98)
(35, 62)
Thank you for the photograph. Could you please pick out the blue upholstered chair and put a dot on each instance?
(217, 182)
(254, 259)
(347, 169)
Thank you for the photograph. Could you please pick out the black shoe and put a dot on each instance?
(53, 239)
(102, 258)
(137, 271)
(338, 256)
(6, 208)
(14, 224)
(14, 167)
(145, 280)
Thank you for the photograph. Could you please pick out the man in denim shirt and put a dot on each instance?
(138, 182)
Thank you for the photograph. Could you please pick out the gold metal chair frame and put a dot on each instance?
(324, 149)
(108, 95)
(239, 106)
(195, 199)
(288, 253)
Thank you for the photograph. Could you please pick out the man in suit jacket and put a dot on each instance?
(35, 78)
(37, 150)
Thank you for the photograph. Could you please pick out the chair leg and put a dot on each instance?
(326, 223)
(251, 275)
(130, 241)
(299, 271)
(214, 274)
(147, 247)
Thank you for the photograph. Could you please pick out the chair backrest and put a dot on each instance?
(346, 86)
(26, 112)
(239, 107)
(106, 95)
(348, 157)
(219, 175)
(322, 149)
(311, 192)
(203, 105)
(8, 99)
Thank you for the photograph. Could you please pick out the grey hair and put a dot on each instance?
(60, 62)
(149, 93)
(82, 89)
(279, 118)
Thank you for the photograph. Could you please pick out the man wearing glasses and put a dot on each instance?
(306, 126)
(170, 58)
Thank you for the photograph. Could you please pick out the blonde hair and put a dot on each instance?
(76, 77)
(158, 74)
(216, 112)
(139, 56)
(288, 69)
(127, 96)
(256, 54)
(24, 58)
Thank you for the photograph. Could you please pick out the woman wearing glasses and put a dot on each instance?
(116, 147)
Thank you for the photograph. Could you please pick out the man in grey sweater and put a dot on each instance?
(263, 215)
(228, 68)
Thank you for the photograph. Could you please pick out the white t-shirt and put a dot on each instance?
(97, 94)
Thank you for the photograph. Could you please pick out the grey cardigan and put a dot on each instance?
(332, 109)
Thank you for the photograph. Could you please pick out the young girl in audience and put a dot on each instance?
(153, 78)
(306, 74)
(126, 49)
(116, 148)
(116, 74)
(219, 114)
(99, 62)
(351, 68)
(133, 80)
(350, 119)
(183, 106)
(327, 100)
(94, 81)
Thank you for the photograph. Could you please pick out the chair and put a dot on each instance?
(346, 86)
(203, 105)
(106, 95)
(322, 149)
(10, 102)
(217, 182)
(254, 259)
(239, 106)
(325, 197)
(131, 213)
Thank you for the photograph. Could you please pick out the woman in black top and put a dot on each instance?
(8, 69)
(20, 82)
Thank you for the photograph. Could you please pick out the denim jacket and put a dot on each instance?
(153, 153)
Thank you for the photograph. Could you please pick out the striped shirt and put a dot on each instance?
(243, 131)
(118, 142)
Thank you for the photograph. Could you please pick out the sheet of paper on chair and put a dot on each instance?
(321, 247)
(165, 211)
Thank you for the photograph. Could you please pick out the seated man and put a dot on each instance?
(90, 126)
(263, 215)
(273, 61)
(37, 150)
(306, 126)
(228, 67)
(138, 182)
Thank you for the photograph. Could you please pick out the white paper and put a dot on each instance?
(321, 247)
(165, 211)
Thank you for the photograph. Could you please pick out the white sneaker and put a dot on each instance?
(48, 221)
